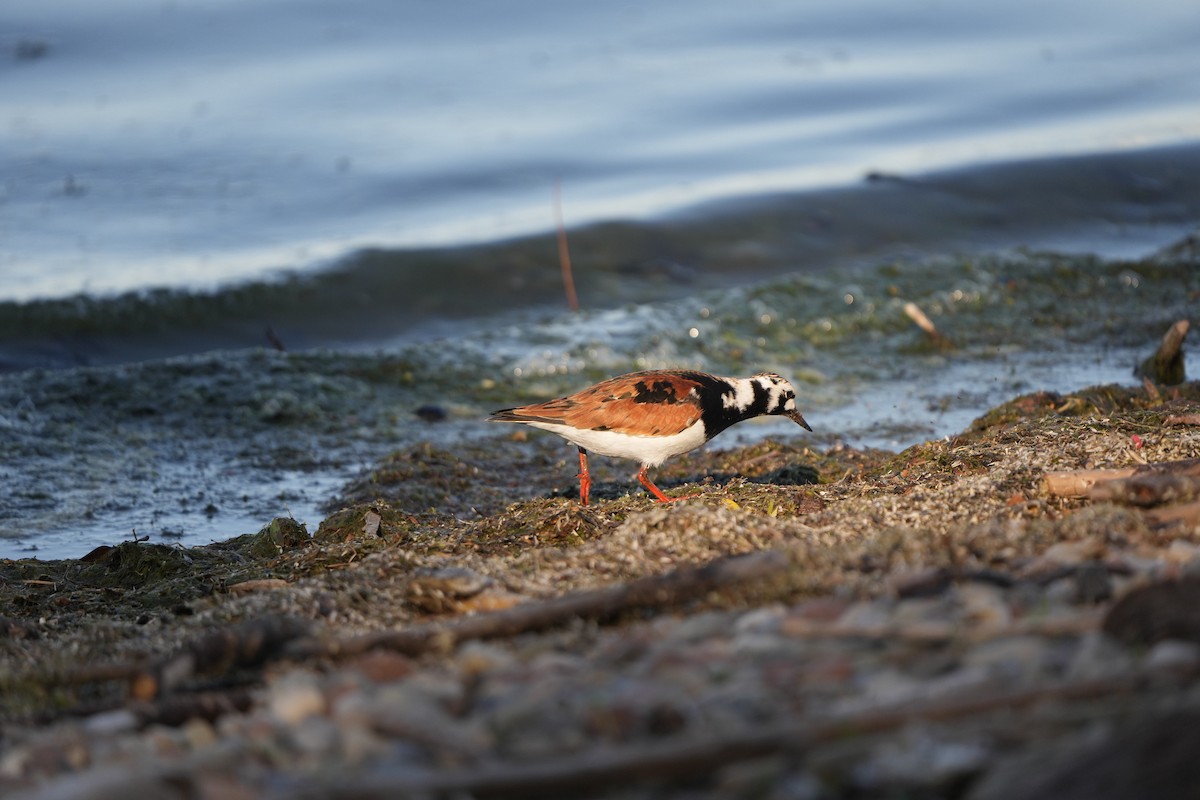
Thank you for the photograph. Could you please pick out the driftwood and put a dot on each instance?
(1080, 483)
(1150, 489)
(697, 756)
(1077, 483)
(655, 591)
(1182, 514)
(922, 321)
(1166, 365)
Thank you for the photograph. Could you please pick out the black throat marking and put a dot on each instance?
(715, 393)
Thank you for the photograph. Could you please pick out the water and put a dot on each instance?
(193, 144)
(186, 186)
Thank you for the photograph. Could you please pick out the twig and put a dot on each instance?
(564, 254)
(1154, 489)
(1178, 514)
(655, 591)
(914, 312)
(1078, 483)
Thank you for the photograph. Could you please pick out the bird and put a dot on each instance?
(653, 415)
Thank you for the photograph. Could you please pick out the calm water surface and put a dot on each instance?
(193, 143)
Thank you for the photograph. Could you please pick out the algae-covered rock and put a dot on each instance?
(279, 535)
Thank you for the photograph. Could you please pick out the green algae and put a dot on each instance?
(1138, 403)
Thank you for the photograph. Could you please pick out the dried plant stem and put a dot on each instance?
(1085, 482)
(564, 253)
(655, 591)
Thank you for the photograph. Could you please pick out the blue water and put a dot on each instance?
(196, 143)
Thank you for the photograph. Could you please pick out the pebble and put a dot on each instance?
(983, 607)
(1173, 655)
(919, 758)
(295, 697)
(110, 723)
(1018, 658)
(1098, 655)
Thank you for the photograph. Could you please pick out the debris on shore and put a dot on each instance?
(939, 622)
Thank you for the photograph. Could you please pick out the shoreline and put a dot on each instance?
(939, 602)
(1117, 204)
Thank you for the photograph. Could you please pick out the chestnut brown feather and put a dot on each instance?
(631, 404)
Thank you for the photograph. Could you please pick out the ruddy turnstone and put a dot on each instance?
(654, 415)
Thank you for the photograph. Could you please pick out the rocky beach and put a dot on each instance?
(946, 621)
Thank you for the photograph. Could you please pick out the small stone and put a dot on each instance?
(867, 615)
(1098, 656)
(109, 723)
(698, 627)
(403, 710)
(983, 607)
(198, 733)
(295, 697)
(1173, 655)
(360, 744)
(1184, 554)
(438, 590)
(1064, 554)
(822, 609)
(750, 778)
(917, 758)
(431, 413)
(316, 737)
(491, 599)
(752, 643)
(1092, 584)
(382, 666)
(913, 611)
(481, 658)
(1010, 656)
(760, 620)
(920, 583)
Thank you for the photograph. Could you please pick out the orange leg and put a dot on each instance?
(654, 490)
(585, 478)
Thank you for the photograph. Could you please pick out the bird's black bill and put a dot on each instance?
(798, 419)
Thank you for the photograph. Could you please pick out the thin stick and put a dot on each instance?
(1078, 483)
(564, 253)
(922, 321)
(655, 591)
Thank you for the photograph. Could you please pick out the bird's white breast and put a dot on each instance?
(649, 450)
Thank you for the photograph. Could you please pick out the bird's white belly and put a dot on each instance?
(649, 450)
